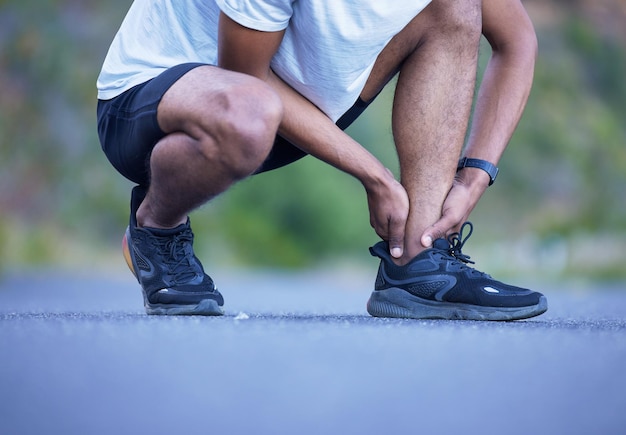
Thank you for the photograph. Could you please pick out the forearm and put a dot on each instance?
(506, 83)
(499, 107)
(311, 130)
(501, 100)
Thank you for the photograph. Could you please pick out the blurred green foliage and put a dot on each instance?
(558, 206)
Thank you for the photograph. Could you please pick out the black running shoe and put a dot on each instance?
(171, 276)
(438, 284)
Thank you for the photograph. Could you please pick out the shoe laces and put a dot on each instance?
(455, 251)
(178, 256)
(457, 241)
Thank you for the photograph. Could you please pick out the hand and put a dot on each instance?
(388, 204)
(458, 205)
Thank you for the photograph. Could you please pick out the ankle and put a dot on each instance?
(147, 218)
(410, 252)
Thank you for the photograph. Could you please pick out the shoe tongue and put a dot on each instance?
(380, 250)
(441, 244)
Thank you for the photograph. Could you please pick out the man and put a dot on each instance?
(195, 95)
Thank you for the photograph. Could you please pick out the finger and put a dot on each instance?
(396, 238)
(437, 231)
(396, 250)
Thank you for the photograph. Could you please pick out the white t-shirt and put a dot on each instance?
(327, 53)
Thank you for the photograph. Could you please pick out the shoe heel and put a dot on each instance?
(378, 305)
(126, 252)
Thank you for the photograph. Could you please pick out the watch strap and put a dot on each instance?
(486, 166)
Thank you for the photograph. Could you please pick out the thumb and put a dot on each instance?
(396, 248)
(396, 240)
(427, 240)
(436, 231)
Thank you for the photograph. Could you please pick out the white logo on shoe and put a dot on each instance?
(491, 290)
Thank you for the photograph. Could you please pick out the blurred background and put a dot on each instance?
(557, 211)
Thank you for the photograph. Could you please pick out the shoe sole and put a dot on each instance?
(395, 302)
(206, 307)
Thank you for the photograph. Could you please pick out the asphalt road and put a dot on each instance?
(298, 354)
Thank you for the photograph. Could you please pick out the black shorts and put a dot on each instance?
(128, 127)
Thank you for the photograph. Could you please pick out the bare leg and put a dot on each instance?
(221, 127)
(436, 55)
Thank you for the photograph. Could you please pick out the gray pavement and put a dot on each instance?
(298, 354)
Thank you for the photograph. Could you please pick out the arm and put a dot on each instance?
(501, 100)
(249, 51)
(507, 80)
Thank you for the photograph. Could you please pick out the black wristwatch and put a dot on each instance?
(489, 168)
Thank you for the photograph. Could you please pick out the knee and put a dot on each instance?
(249, 115)
(460, 19)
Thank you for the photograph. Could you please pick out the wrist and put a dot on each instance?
(379, 178)
(474, 179)
(484, 166)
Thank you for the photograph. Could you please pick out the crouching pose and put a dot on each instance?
(195, 95)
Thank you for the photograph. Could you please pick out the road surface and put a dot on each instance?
(298, 354)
